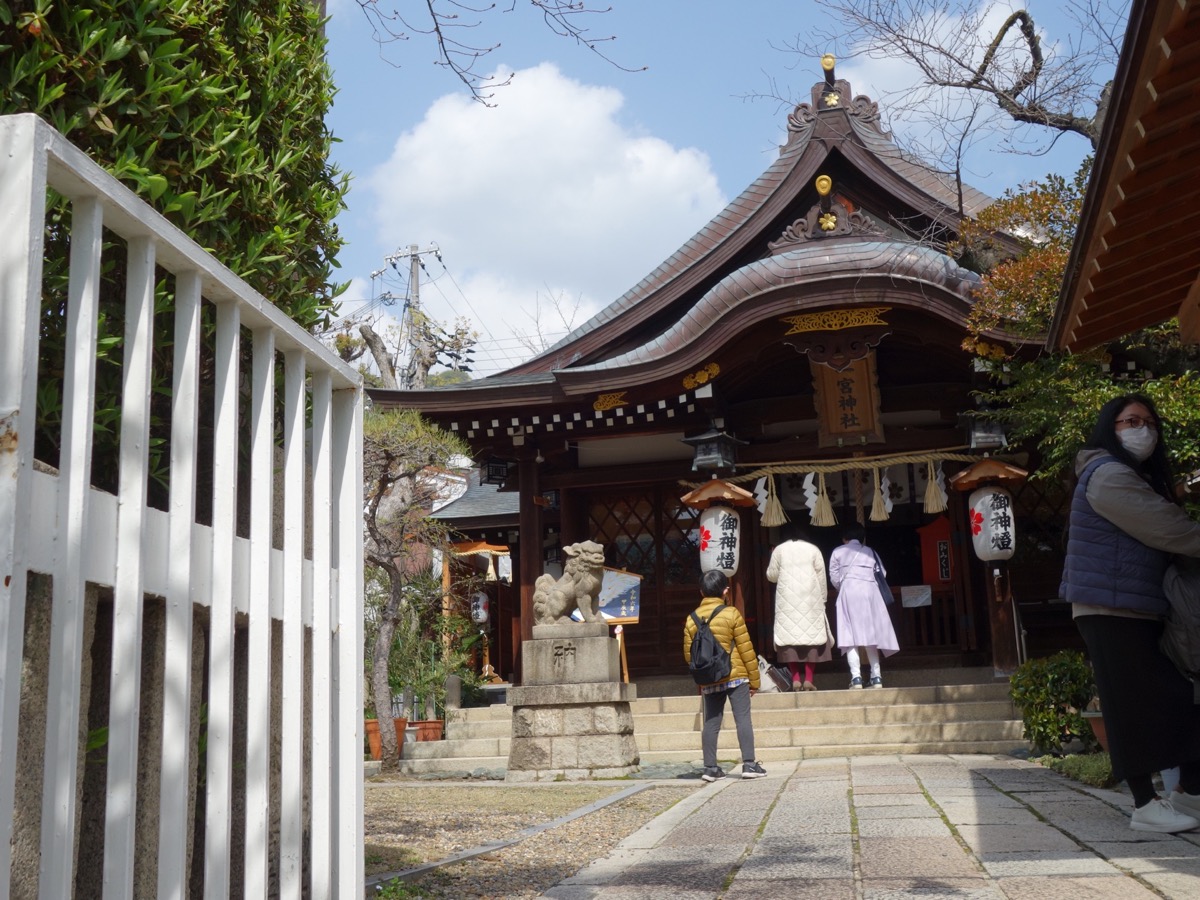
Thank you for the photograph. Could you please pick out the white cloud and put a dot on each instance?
(548, 194)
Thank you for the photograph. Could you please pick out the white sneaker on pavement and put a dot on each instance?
(1160, 816)
(1188, 804)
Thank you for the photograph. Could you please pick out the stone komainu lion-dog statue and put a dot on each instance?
(579, 587)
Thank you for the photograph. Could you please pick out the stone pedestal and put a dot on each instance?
(571, 716)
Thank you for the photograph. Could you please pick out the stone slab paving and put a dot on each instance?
(877, 828)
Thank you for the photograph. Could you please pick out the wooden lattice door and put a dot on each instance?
(650, 533)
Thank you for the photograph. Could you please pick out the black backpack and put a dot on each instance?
(710, 661)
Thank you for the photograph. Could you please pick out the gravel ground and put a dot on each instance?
(412, 823)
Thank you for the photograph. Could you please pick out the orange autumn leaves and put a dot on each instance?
(1016, 298)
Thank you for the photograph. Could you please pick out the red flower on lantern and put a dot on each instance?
(976, 518)
(705, 537)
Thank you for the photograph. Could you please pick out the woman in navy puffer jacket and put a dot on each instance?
(1125, 524)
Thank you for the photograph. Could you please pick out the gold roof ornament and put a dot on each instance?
(827, 62)
(609, 401)
(824, 185)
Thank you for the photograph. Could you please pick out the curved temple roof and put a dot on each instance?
(763, 256)
(856, 132)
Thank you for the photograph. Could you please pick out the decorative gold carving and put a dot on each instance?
(823, 184)
(702, 376)
(831, 99)
(813, 226)
(835, 319)
(839, 349)
(827, 62)
(609, 401)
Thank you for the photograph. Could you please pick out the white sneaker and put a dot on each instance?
(1159, 815)
(1188, 804)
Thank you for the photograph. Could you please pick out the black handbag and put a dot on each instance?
(882, 582)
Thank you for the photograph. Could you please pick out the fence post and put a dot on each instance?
(175, 808)
(348, 554)
(218, 811)
(322, 635)
(22, 212)
(292, 668)
(59, 796)
(125, 690)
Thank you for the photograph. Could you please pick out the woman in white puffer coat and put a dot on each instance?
(802, 633)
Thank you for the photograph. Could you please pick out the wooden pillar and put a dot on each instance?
(571, 517)
(1005, 654)
(530, 546)
(447, 608)
(961, 563)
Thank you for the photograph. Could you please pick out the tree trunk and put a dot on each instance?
(383, 359)
(390, 757)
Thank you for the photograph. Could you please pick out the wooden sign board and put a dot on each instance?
(620, 598)
(847, 404)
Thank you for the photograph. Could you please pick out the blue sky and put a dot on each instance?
(583, 177)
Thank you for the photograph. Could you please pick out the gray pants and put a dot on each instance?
(714, 713)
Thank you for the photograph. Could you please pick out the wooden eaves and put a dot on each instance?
(1136, 258)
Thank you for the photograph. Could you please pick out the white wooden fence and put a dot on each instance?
(233, 762)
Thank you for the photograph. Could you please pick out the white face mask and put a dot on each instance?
(1140, 442)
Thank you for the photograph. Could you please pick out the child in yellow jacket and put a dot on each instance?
(729, 628)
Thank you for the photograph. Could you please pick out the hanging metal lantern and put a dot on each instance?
(993, 528)
(714, 450)
(720, 539)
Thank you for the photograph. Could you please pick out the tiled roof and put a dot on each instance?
(480, 501)
(697, 247)
(899, 262)
(863, 119)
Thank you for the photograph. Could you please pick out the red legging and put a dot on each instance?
(794, 668)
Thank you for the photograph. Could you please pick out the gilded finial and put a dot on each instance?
(824, 185)
(827, 62)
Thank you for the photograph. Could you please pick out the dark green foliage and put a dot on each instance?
(213, 112)
(1051, 694)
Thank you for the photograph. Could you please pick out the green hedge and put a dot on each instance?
(214, 112)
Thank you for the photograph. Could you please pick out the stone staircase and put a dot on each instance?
(920, 711)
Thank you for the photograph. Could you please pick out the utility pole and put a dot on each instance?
(414, 326)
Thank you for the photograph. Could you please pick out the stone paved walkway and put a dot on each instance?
(880, 827)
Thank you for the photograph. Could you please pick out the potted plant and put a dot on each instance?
(426, 651)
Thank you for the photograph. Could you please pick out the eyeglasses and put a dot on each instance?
(1138, 422)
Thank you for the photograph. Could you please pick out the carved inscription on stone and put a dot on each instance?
(564, 655)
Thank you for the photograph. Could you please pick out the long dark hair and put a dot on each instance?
(1104, 437)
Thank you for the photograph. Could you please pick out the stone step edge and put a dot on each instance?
(451, 764)
(445, 748)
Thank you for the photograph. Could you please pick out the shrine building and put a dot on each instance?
(814, 328)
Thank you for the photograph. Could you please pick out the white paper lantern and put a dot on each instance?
(993, 528)
(720, 539)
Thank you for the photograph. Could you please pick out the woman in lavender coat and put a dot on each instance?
(862, 616)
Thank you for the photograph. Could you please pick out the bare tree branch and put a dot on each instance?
(451, 22)
(963, 47)
(540, 338)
